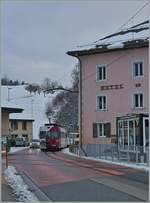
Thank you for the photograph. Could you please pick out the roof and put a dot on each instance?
(21, 119)
(10, 108)
(132, 38)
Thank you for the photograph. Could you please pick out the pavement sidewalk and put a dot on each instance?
(7, 194)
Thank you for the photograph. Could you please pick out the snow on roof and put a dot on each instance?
(119, 39)
(22, 116)
(8, 105)
(115, 45)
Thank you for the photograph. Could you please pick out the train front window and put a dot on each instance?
(42, 134)
(54, 135)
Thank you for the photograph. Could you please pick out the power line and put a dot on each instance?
(134, 15)
(131, 18)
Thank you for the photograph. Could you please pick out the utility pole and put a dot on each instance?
(9, 88)
(32, 100)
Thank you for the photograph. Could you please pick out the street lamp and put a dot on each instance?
(32, 100)
(49, 119)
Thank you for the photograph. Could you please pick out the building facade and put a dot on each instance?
(5, 111)
(114, 85)
(21, 128)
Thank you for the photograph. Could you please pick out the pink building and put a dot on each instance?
(115, 88)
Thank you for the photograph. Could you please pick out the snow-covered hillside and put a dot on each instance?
(33, 105)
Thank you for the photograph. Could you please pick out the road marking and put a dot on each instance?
(126, 188)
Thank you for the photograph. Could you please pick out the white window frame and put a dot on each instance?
(98, 129)
(133, 100)
(133, 69)
(97, 72)
(97, 102)
(128, 120)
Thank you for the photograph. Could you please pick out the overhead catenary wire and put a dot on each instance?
(131, 18)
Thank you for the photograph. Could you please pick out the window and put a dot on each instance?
(24, 125)
(101, 103)
(14, 125)
(138, 100)
(138, 69)
(101, 130)
(101, 73)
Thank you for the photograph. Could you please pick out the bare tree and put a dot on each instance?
(65, 104)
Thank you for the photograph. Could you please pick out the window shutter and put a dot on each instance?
(108, 130)
(94, 130)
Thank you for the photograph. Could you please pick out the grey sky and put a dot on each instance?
(37, 34)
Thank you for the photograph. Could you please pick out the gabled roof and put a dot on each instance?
(134, 37)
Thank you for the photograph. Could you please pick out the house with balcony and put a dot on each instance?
(6, 109)
(21, 126)
(114, 93)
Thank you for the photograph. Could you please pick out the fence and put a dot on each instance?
(113, 152)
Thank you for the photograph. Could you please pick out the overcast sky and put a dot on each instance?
(36, 34)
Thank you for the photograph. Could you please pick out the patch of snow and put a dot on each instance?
(34, 105)
(7, 104)
(16, 149)
(126, 37)
(20, 116)
(131, 165)
(115, 45)
(20, 188)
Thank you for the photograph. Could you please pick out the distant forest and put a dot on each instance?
(7, 81)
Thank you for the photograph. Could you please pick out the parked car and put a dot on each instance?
(20, 142)
(35, 143)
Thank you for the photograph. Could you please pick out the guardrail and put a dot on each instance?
(113, 152)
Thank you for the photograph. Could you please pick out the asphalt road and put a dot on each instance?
(59, 177)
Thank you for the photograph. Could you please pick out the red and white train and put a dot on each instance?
(53, 137)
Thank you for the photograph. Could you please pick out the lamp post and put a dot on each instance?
(49, 119)
(32, 100)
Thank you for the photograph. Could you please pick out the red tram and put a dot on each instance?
(52, 137)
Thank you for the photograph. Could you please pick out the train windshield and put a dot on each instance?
(42, 134)
(55, 135)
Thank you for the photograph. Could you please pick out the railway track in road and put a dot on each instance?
(48, 173)
(110, 177)
(105, 168)
(83, 163)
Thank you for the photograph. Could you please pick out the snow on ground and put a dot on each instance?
(131, 165)
(16, 149)
(19, 187)
(34, 105)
